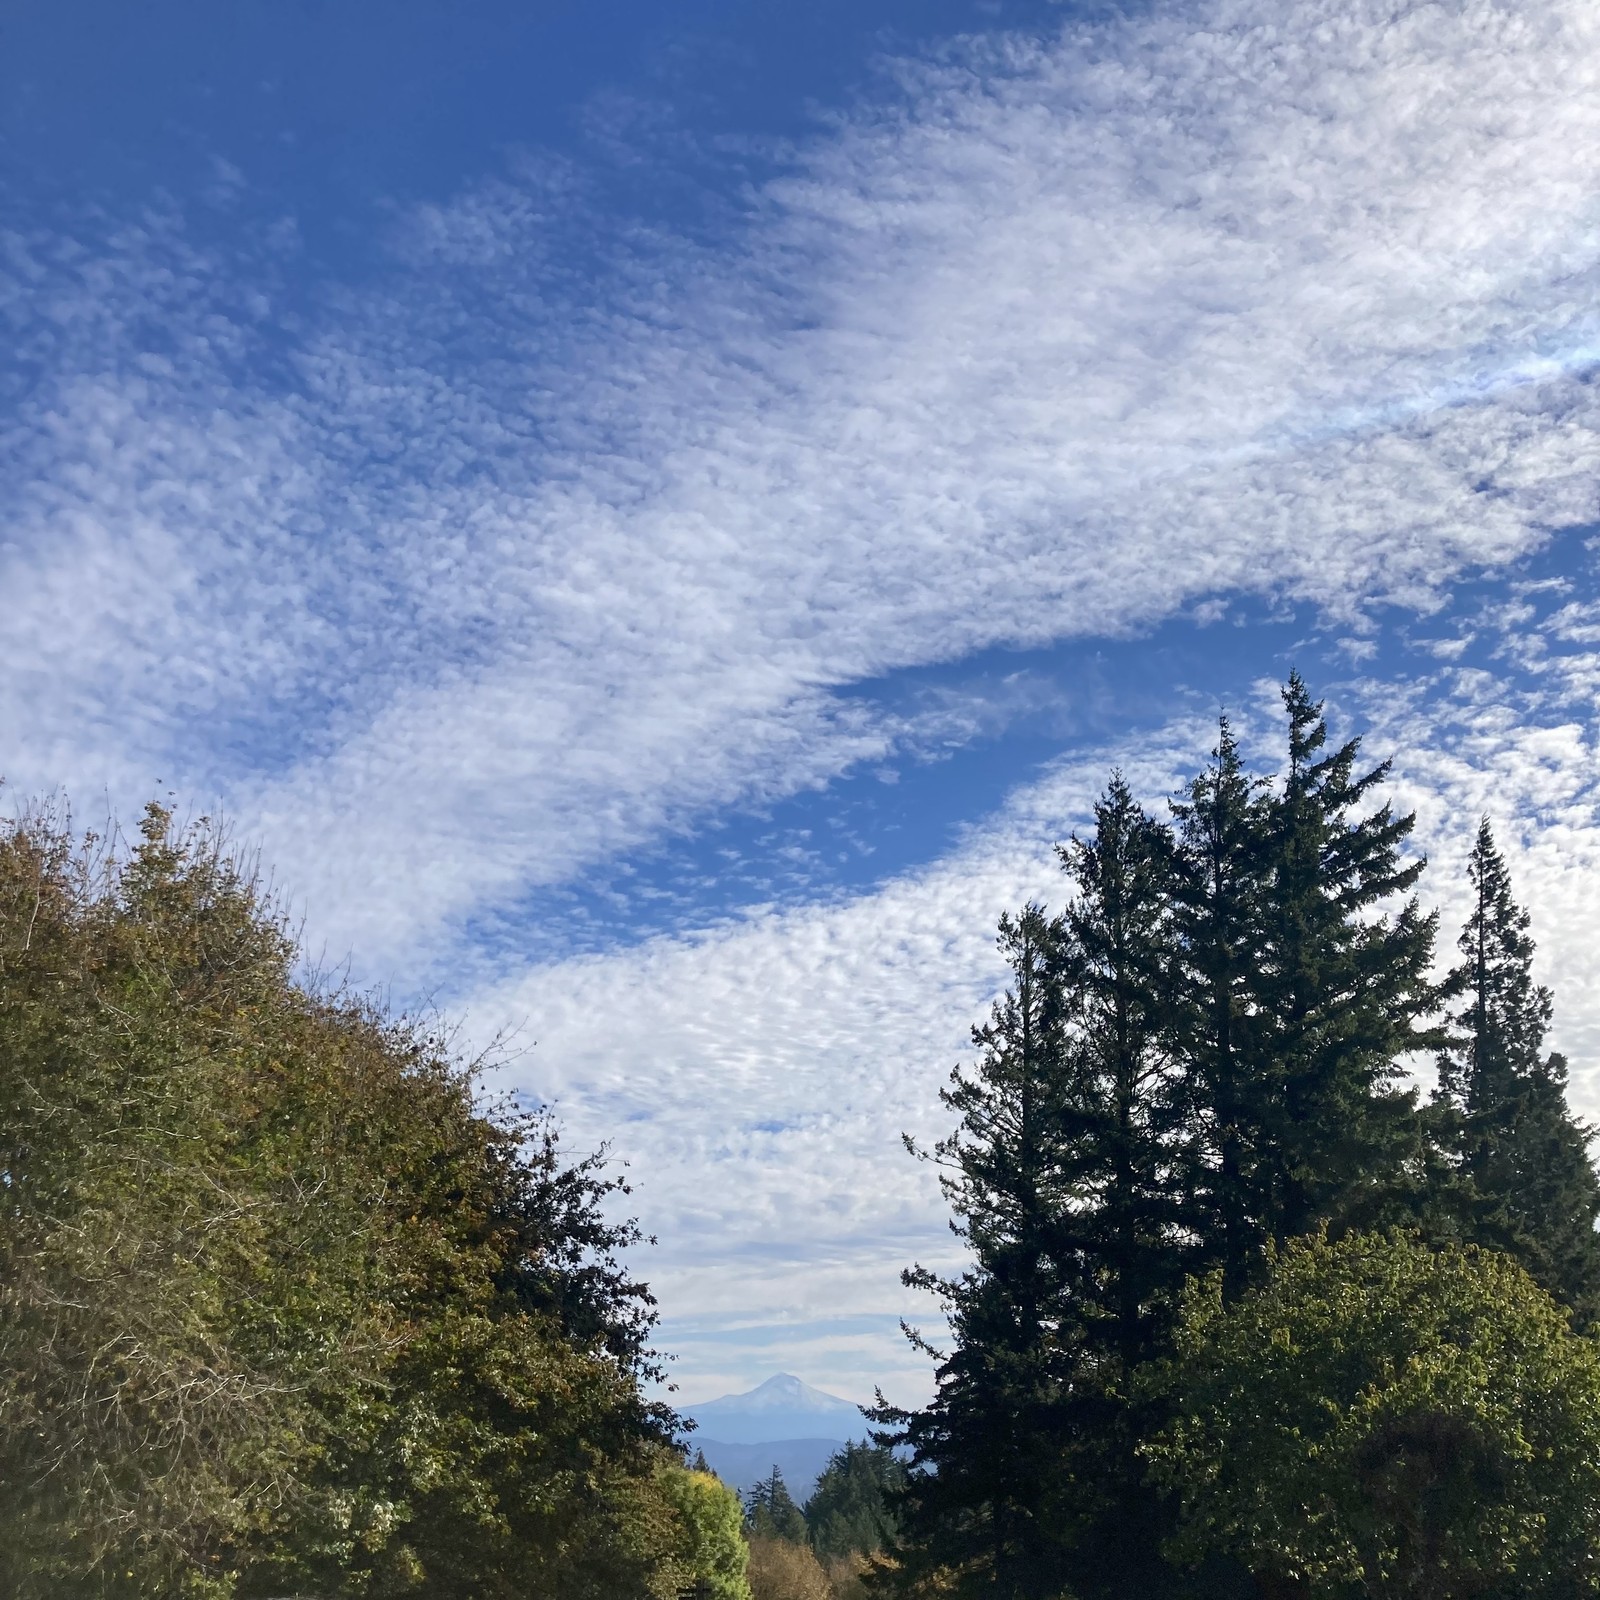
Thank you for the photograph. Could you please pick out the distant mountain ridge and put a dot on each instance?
(782, 1408)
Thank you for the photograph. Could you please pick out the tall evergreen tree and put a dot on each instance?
(1222, 826)
(1120, 1240)
(1528, 1185)
(848, 1512)
(986, 1452)
(1341, 983)
(1303, 984)
(1197, 1060)
(1121, 1111)
(770, 1511)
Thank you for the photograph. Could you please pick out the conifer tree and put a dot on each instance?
(986, 1452)
(1302, 985)
(848, 1512)
(1341, 986)
(1528, 1186)
(1222, 826)
(1199, 1059)
(771, 1513)
(1120, 1239)
(1120, 1114)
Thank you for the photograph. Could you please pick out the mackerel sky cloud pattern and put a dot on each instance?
(566, 539)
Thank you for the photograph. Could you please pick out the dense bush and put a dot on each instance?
(781, 1569)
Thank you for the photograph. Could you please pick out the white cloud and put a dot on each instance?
(1059, 338)
(462, 582)
(758, 1075)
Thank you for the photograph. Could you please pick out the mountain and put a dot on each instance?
(742, 1466)
(781, 1408)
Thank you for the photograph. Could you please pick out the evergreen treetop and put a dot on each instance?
(1525, 1180)
(1342, 981)
(848, 1512)
(770, 1511)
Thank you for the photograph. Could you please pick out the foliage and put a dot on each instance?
(781, 1569)
(848, 1512)
(771, 1513)
(1302, 981)
(1384, 1419)
(849, 1575)
(1199, 1059)
(1525, 1182)
(986, 1449)
(710, 1549)
(281, 1305)
(1119, 1152)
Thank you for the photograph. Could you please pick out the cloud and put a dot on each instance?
(758, 1075)
(458, 581)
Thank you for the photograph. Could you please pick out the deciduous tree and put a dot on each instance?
(1379, 1418)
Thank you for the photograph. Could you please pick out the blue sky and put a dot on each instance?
(656, 519)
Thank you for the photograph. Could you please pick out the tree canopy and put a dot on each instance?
(1526, 1182)
(848, 1512)
(770, 1511)
(1382, 1418)
(1202, 1058)
(283, 1306)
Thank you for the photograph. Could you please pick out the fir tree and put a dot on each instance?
(848, 1512)
(770, 1511)
(1199, 1059)
(1120, 958)
(1528, 1186)
(1119, 1240)
(1302, 986)
(986, 1451)
(1222, 825)
(1341, 984)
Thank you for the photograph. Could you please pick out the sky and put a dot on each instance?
(656, 520)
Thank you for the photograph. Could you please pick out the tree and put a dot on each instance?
(1527, 1183)
(1341, 984)
(771, 1513)
(781, 1569)
(710, 1549)
(283, 1306)
(848, 1512)
(1197, 1062)
(1119, 1238)
(985, 1454)
(1222, 823)
(1302, 985)
(1380, 1418)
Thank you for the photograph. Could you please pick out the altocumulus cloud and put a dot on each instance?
(760, 1074)
(459, 585)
